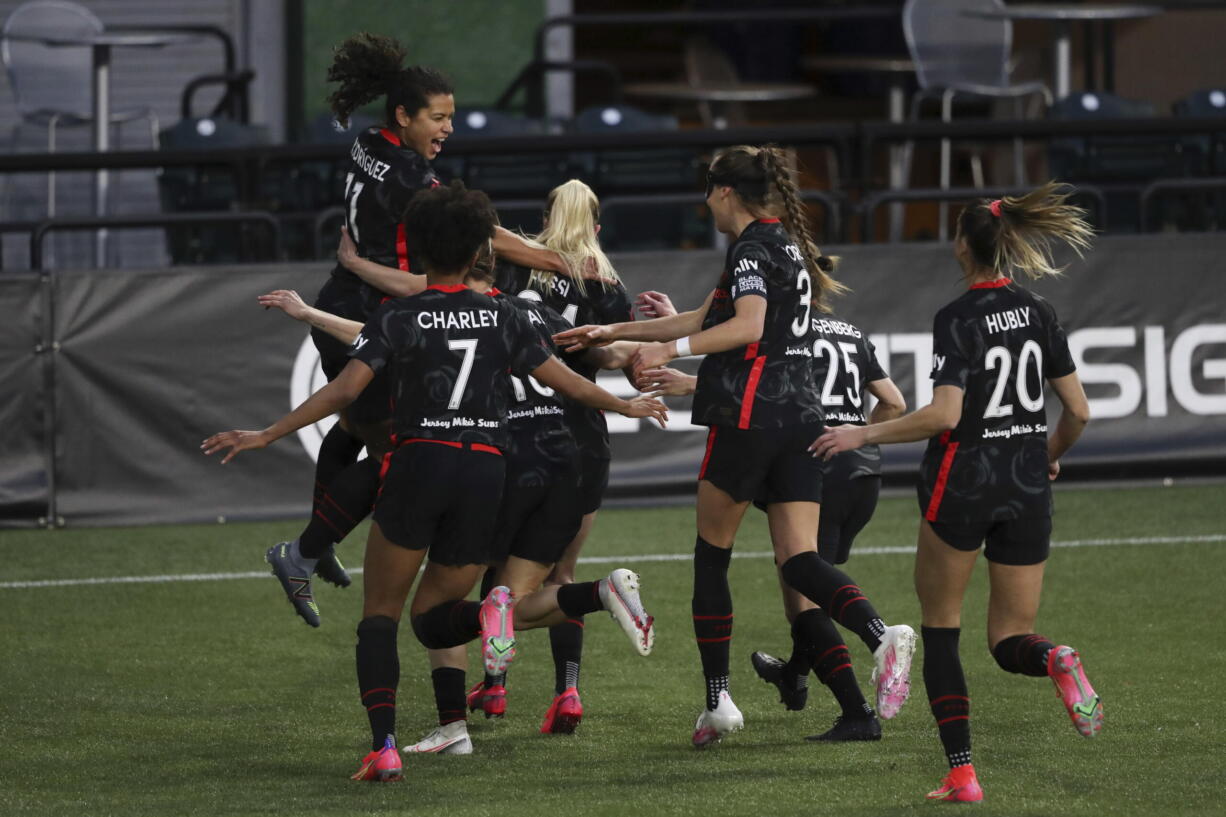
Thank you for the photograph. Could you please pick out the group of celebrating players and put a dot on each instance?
(462, 357)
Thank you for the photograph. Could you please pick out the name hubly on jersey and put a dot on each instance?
(1008, 319)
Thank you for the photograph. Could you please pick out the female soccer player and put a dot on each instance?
(448, 351)
(986, 474)
(387, 166)
(756, 392)
(845, 366)
(571, 229)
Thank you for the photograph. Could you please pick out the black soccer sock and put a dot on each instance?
(566, 641)
(831, 662)
(833, 590)
(946, 686)
(801, 659)
(1025, 654)
(712, 610)
(449, 694)
(578, 599)
(378, 676)
(340, 508)
(448, 624)
(337, 452)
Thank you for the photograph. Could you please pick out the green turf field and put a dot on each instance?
(211, 697)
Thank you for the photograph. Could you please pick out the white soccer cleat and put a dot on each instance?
(619, 592)
(451, 739)
(713, 724)
(892, 674)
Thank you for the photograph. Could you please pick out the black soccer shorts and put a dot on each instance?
(537, 521)
(438, 495)
(745, 463)
(1025, 541)
(593, 482)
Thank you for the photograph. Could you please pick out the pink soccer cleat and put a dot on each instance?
(497, 631)
(490, 700)
(1083, 705)
(564, 714)
(381, 765)
(959, 786)
(892, 674)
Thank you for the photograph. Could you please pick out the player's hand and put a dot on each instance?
(347, 251)
(584, 337)
(666, 381)
(652, 304)
(1053, 470)
(838, 439)
(645, 406)
(651, 356)
(287, 300)
(235, 441)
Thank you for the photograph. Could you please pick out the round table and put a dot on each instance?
(1063, 17)
(101, 44)
(721, 92)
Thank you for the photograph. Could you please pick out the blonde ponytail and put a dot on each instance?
(572, 215)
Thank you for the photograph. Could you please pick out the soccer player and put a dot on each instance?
(845, 367)
(757, 393)
(448, 350)
(387, 166)
(987, 471)
(571, 229)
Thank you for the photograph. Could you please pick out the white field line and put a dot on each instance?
(1212, 538)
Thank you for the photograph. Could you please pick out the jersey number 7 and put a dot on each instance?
(469, 345)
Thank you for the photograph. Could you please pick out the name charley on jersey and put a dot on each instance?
(474, 319)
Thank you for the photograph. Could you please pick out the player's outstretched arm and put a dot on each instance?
(327, 401)
(658, 329)
(942, 414)
(557, 375)
(1074, 416)
(291, 303)
(616, 355)
(666, 382)
(743, 328)
(653, 304)
(392, 280)
(890, 402)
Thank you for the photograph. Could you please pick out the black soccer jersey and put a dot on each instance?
(844, 363)
(381, 178)
(540, 438)
(999, 343)
(767, 384)
(597, 304)
(448, 351)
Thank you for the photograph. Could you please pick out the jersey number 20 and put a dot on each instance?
(998, 357)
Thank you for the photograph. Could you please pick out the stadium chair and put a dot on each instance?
(667, 170)
(1112, 159)
(960, 56)
(205, 188)
(1205, 154)
(52, 85)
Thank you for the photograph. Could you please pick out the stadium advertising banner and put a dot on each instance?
(112, 378)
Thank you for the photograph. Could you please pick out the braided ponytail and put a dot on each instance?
(796, 222)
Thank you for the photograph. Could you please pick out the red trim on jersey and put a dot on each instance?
(492, 291)
(402, 248)
(702, 469)
(997, 284)
(768, 221)
(389, 136)
(938, 491)
(386, 464)
(482, 447)
(751, 351)
(755, 374)
(449, 287)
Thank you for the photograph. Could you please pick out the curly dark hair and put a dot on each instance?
(368, 66)
(446, 226)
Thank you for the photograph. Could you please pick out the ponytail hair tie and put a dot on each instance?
(994, 207)
(825, 264)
